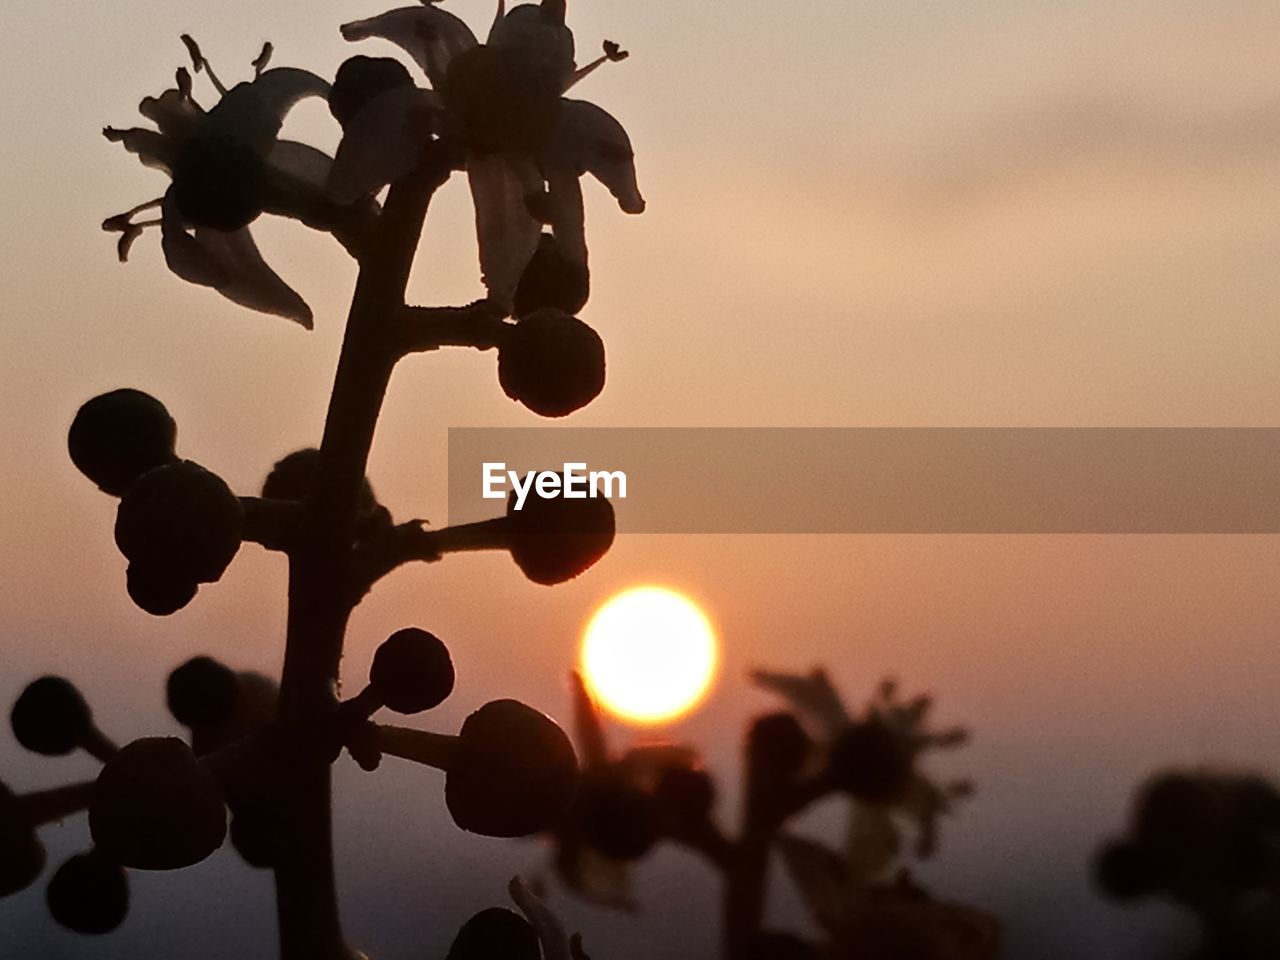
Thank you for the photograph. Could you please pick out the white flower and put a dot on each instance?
(527, 145)
(227, 166)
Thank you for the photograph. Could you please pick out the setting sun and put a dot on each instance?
(649, 654)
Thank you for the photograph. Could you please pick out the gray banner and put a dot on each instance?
(919, 480)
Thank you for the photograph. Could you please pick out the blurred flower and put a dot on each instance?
(1209, 841)
(616, 818)
(527, 146)
(894, 920)
(874, 758)
(227, 166)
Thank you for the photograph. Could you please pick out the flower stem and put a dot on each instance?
(319, 603)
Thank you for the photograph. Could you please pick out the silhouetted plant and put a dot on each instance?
(863, 898)
(257, 762)
(255, 767)
(1210, 842)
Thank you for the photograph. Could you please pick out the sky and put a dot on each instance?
(909, 214)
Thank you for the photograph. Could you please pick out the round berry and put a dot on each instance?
(551, 362)
(871, 762)
(496, 934)
(156, 808)
(359, 80)
(555, 539)
(51, 717)
(219, 182)
(551, 281)
(117, 437)
(202, 692)
(513, 774)
(181, 518)
(412, 671)
(89, 894)
(157, 590)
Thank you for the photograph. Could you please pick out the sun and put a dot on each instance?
(649, 654)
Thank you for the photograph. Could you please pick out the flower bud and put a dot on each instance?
(359, 80)
(551, 280)
(159, 591)
(551, 362)
(555, 539)
(22, 856)
(219, 182)
(871, 762)
(293, 477)
(496, 934)
(412, 671)
(513, 772)
(202, 692)
(156, 808)
(182, 518)
(51, 717)
(89, 894)
(118, 436)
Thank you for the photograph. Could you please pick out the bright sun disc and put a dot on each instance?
(649, 654)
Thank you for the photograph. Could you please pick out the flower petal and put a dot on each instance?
(383, 142)
(812, 696)
(819, 875)
(254, 111)
(174, 112)
(505, 229)
(231, 264)
(153, 149)
(301, 161)
(433, 37)
(593, 141)
(872, 843)
(568, 222)
(540, 44)
(587, 728)
(551, 934)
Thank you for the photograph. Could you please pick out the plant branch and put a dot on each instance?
(480, 325)
(319, 568)
(274, 524)
(407, 542)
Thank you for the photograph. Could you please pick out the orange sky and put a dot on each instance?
(1025, 213)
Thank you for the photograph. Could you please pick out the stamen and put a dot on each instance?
(123, 220)
(122, 223)
(502, 12)
(125, 243)
(612, 54)
(198, 63)
(183, 79)
(262, 60)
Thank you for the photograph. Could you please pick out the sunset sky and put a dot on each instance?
(1004, 213)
